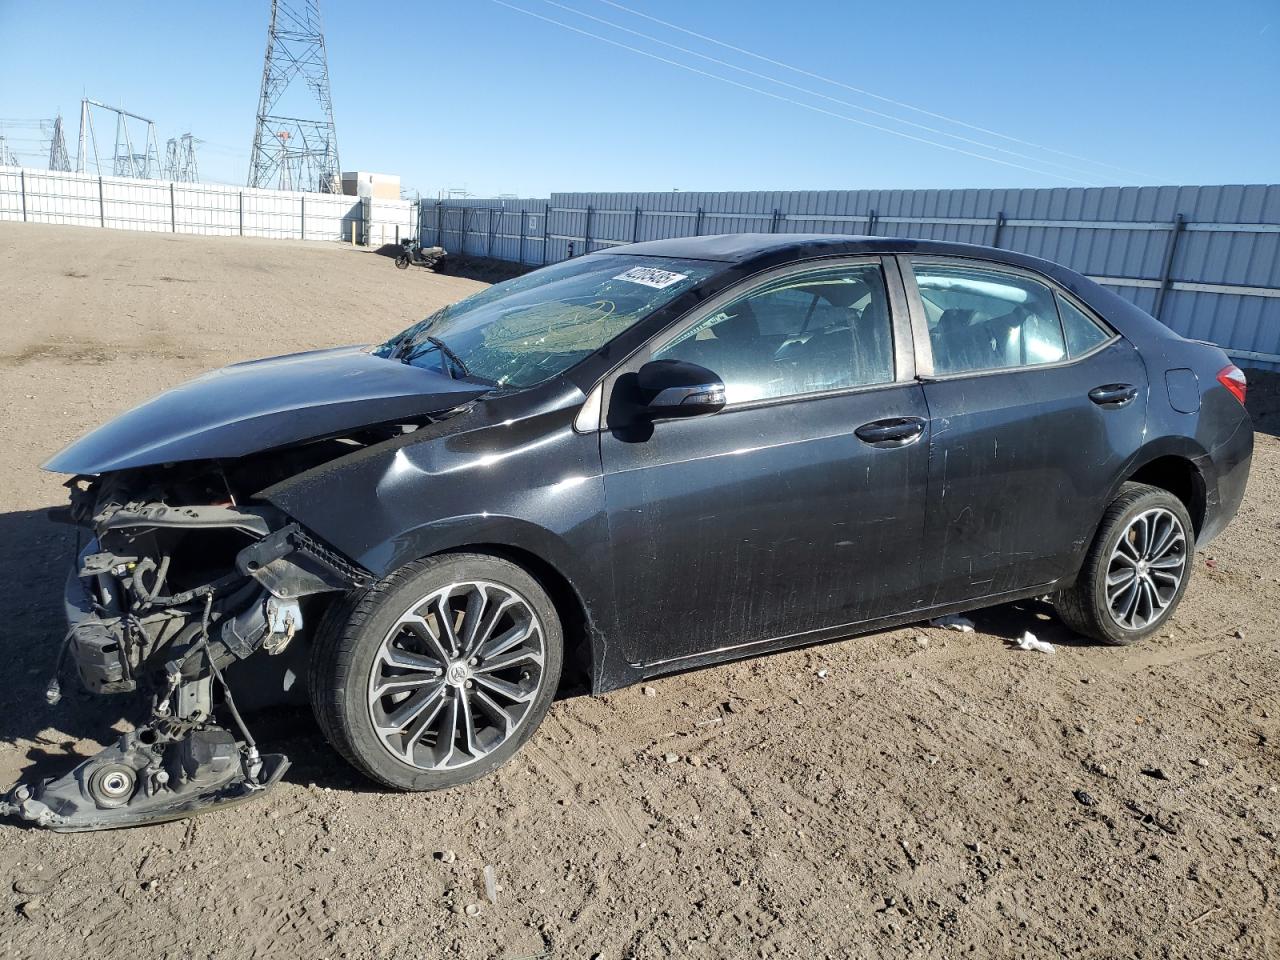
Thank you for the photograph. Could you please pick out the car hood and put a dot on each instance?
(261, 404)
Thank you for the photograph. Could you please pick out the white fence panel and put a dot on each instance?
(63, 198)
(136, 205)
(10, 193)
(207, 210)
(330, 217)
(274, 214)
(41, 196)
(390, 221)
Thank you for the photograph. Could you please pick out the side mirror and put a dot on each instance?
(674, 388)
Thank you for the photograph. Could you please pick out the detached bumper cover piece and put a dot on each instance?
(149, 776)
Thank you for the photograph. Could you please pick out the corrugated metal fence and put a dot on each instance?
(1205, 259)
(41, 196)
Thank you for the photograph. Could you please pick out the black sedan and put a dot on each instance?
(647, 459)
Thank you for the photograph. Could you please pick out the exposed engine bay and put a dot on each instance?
(184, 574)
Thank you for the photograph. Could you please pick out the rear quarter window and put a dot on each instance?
(1082, 332)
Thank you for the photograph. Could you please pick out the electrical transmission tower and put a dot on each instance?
(295, 146)
(58, 158)
(180, 159)
(7, 158)
(126, 160)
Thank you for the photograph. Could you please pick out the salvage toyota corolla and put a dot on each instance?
(638, 461)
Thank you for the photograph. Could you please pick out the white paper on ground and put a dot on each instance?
(953, 622)
(1029, 642)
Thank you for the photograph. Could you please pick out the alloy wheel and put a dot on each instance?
(1146, 569)
(456, 674)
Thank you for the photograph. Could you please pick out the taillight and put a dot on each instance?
(1232, 377)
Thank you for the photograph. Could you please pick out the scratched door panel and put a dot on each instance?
(763, 522)
(1021, 463)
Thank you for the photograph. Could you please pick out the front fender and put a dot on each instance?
(477, 530)
(499, 476)
(528, 479)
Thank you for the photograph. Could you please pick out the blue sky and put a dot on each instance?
(474, 94)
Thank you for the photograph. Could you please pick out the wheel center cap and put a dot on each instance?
(457, 674)
(1142, 566)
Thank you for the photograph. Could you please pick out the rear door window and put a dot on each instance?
(984, 319)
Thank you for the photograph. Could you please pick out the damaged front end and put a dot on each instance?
(182, 578)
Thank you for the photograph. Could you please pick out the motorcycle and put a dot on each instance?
(414, 252)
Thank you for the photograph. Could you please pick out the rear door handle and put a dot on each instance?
(891, 432)
(1113, 394)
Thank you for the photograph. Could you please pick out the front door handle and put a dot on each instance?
(1113, 394)
(891, 432)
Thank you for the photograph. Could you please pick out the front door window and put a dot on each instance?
(808, 332)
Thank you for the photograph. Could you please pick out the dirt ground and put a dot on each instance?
(908, 793)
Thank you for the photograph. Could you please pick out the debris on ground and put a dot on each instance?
(953, 621)
(1028, 641)
(31, 909)
(1150, 820)
(1086, 798)
(32, 886)
(1155, 773)
(491, 883)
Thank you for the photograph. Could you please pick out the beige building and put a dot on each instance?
(380, 186)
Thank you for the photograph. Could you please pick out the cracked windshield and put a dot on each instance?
(527, 330)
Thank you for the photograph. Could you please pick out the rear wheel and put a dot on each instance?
(1136, 570)
(438, 674)
(402, 262)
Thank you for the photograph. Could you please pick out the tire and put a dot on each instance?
(402, 262)
(1086, 607)
(490, 707)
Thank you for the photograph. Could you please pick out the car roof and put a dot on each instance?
(781, 247)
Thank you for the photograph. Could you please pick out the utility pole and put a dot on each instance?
(295, 141)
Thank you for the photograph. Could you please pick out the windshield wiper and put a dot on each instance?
(448, 355)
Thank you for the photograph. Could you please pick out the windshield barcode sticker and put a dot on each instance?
(652, 277)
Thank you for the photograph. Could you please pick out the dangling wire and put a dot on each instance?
(226, 688)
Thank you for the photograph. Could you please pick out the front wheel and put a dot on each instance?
(1136, 570)
(438, 674)
(402, 262)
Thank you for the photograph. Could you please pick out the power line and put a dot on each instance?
(868, 93)
(780, 97)
(822, 96)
